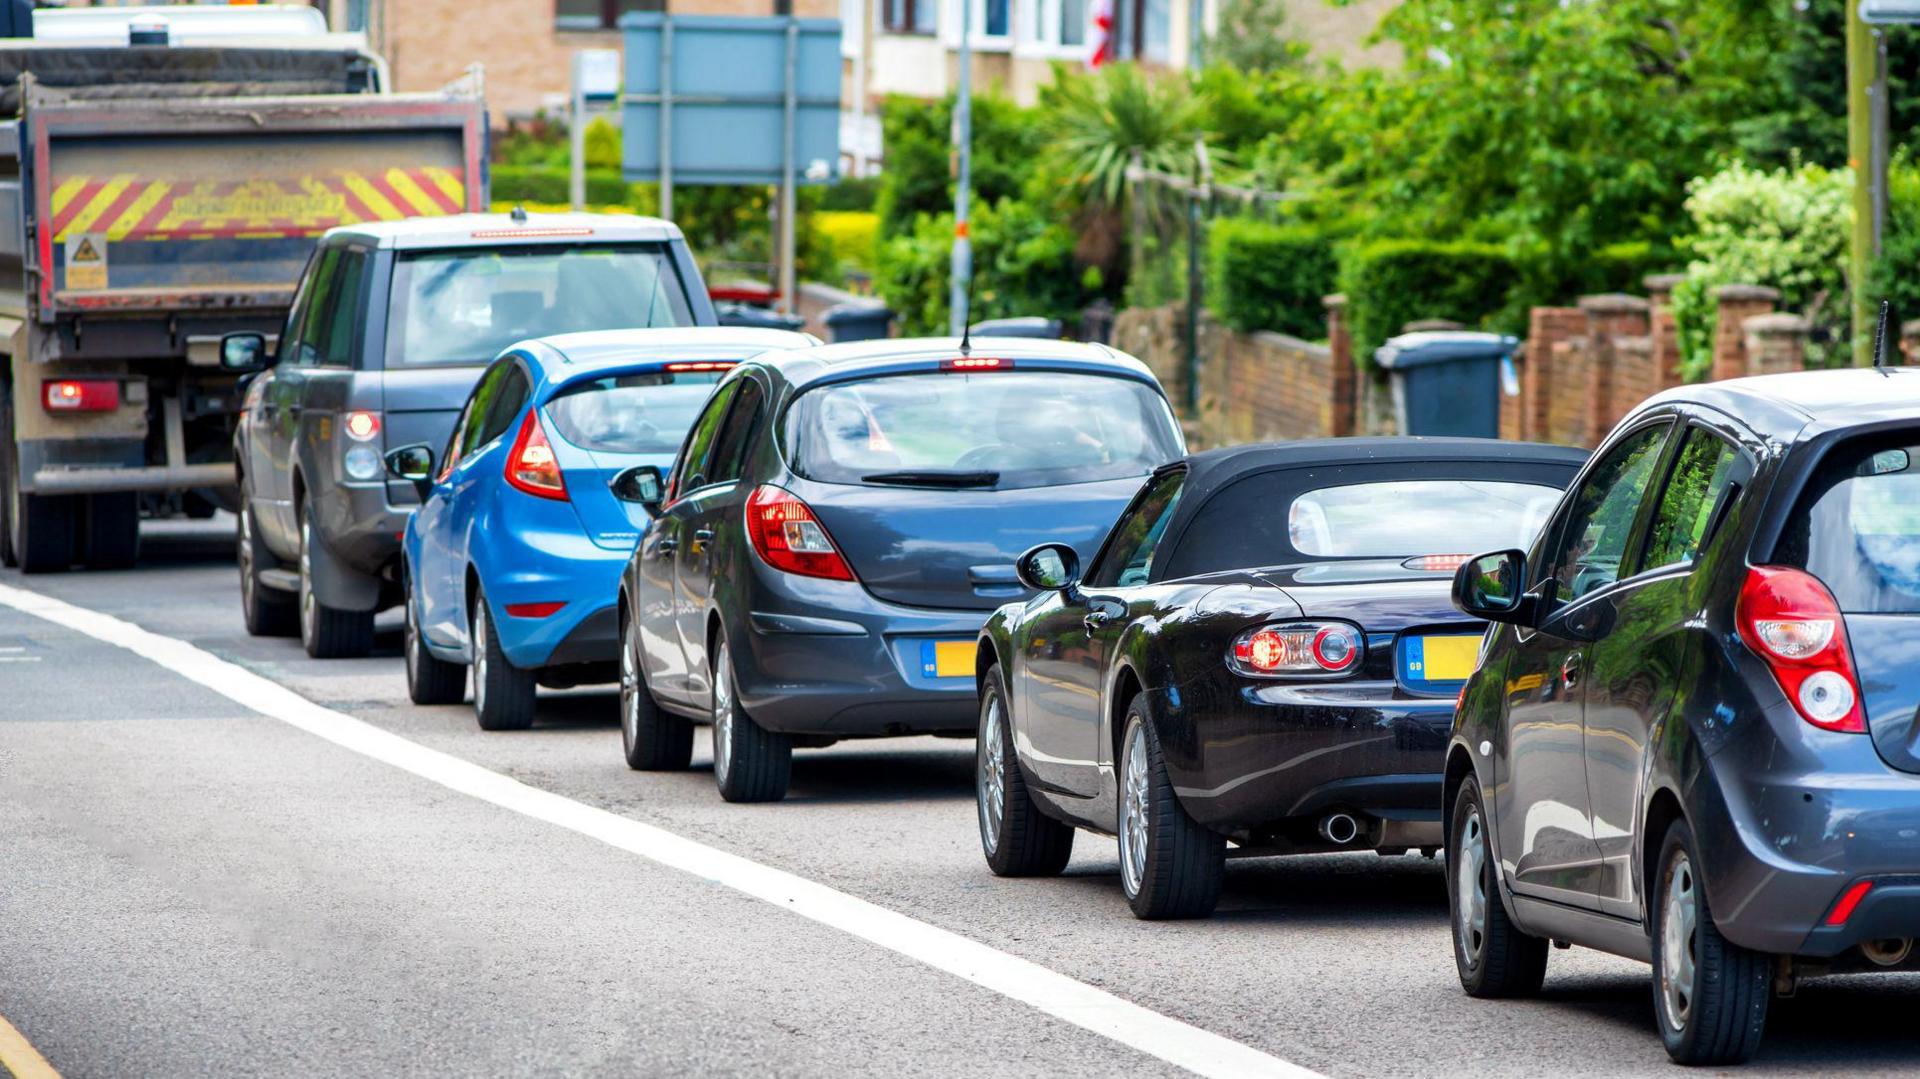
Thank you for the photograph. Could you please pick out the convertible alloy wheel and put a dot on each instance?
(1492, 955)
(750, 763)
(1018, 839)
(1171, 866)
(1133, 812)
(990, 792)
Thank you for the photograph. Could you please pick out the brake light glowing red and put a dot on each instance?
(976, 363)
(702, 365)
(1792, 622)
(787, 536)
(531, 466)
(82, 395)
(534, 610)
(1849, 902)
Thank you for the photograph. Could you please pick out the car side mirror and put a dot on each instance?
(243, 353)
(642, 485)
(1494, 587)
(414, 464)
(1050, 567)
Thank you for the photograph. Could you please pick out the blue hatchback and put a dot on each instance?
(513, 560)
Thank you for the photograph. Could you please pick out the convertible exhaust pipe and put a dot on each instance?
(1339, 828)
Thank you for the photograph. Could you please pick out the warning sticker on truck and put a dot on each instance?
(86, 261)
(132, 208)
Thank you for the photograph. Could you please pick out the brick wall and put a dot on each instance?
(1257, 387)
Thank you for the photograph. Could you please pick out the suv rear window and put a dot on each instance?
(1003, 430)
(1857, 527)
(466, 305)
(643, 412)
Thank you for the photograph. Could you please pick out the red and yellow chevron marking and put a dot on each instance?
(127, 207)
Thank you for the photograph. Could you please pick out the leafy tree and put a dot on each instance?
(1252, 36)
(1096, 122)
(1808, 66)
(918, 178)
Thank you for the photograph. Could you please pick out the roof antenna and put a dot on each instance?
(966, 323)
(1881, 338)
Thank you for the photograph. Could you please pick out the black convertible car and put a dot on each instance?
(1178, 697)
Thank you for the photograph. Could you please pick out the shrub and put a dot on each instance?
(851, 193)
(850, 237)
(1265, 276)
(1390, 283)
(1892, 276)
(1022, 259)
(549, 184)
(918, 137)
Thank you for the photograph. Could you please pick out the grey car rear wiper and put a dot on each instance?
(934, 478)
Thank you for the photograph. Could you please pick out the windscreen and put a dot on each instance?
(1418, 517)
(643, 412)
(1857, 527)
(468, 304)
(1003, 430)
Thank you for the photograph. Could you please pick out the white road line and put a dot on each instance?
(1056, 994)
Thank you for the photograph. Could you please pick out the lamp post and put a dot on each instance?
(962, 268)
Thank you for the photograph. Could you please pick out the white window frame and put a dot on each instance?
(980, 40)
(1045, 44)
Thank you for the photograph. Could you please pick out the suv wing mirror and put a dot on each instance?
(1493, 587)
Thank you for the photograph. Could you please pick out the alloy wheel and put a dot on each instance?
(245, 554)
(309, 607)
(991, 783)
(1133, 812)
(480, 655)
(1679, 918)
(629, 690)
(723, 712)
(1470, 888)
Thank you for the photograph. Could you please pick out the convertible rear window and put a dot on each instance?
(646, 412)
(1418, 517)
(1857, 527)
(1006, 429)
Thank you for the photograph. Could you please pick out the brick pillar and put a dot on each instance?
(1738, 303)
(1660, 287)
(1546, 327)
(1611, 318)
(1666, 332)
(1342, 384)
(1775, 343)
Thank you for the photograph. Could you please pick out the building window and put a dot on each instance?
(993, 17)
(912, 16)
(598, 14)
(1059, 26)
(1143, 30)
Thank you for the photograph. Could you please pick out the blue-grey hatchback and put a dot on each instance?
(839, 523)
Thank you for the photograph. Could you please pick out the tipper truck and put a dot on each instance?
(155, 197)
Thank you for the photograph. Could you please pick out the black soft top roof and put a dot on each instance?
(1323, 461)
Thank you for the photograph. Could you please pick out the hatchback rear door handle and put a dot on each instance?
(1570, 670)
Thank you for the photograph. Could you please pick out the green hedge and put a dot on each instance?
(1266, 276)
(1389, 283)
(547, 183)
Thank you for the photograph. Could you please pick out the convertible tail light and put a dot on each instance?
(787, 536)
(1297, 648)
(531, 466)
(1791, 621)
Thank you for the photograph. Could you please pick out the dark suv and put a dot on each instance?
(1692, 738)
(392, 324)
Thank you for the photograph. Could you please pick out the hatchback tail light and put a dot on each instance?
(1297, 648)
(531, 466)
(1791, 621)
(787, 536)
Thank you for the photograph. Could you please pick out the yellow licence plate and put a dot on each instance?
(1447, 659)
(950, 659)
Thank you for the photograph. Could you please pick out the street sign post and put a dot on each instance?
(1867, 142)
(1880, 12)
(713, 99)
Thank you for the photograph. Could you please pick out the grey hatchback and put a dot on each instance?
(393, 323)
(840, 522)
(1691, 737)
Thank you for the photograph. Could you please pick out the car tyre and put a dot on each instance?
(1709, 994)
(1494, 958)
(1018, 840)
(503, 694)
(1170, 866)
(268, 611)
(750, 763)
(653, 740)
(327, 632)
(430, 679)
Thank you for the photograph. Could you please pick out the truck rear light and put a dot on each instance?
(1792, 623)
(1296, 648)
(531, 466)
(361, 426)
(535, 610)
(787, 536)
(1849, 902)
(82, 395)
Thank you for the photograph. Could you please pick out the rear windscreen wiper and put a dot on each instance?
(934, 478)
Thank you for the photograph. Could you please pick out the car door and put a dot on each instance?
(713, 518)
(324, 372)
(1067, 642)
(1638, 662)
(660, 618)
(274, 438)
(1542, 809)
(440, 586)
(498, 405)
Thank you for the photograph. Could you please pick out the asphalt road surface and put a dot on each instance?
(201, 873)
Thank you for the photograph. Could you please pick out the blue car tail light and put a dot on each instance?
(531, 465)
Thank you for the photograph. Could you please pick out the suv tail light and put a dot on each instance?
(787, 536)
(1297, 648)
(1791, 621)
(531, 466)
